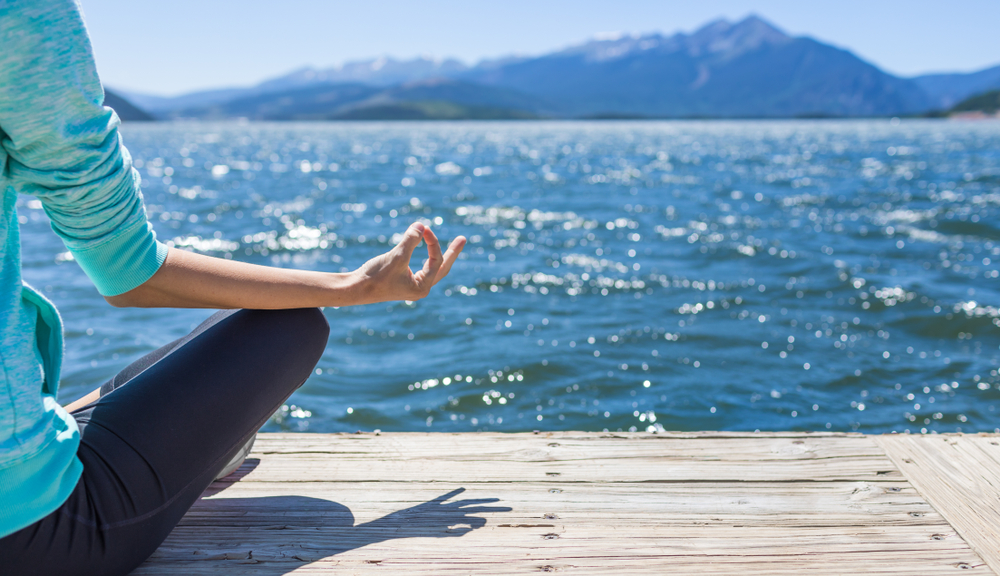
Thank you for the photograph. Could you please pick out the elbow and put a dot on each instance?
(119, 301)
(131, 299)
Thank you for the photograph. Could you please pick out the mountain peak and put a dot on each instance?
(729, 40)
(754, 26)
(717, 38)
(755, 22)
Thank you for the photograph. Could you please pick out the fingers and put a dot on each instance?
(482, 510)
(454, 249)
(449, 495)
(434, 257)
(411, 239)
(425, 277)
(437, 264)
(473, 502)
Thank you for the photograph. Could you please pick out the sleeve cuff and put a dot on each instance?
(123, 262)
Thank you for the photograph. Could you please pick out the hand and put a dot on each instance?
(388, 277)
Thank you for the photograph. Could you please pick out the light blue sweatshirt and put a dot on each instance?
(58, 143)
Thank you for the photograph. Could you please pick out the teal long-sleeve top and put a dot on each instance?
(59, 144)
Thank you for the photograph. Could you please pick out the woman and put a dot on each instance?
(96, 487)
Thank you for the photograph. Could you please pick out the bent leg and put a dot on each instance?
(141, 364)
(152, 445)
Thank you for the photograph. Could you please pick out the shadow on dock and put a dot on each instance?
(304, 529)
(751, 504)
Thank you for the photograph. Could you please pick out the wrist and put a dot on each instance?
(352, 288)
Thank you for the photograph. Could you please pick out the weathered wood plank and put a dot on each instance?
(568, 457)
(551, 447)
(789, 504)
(738, 547)
(907, 563)
(320, 467)
(960, 477)
(707, 503)
(745, 552)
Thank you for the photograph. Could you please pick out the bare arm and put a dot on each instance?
(189, 280)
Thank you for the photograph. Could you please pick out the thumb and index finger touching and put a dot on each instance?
(411, 239)
(437, 264)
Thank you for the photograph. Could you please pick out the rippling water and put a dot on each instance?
(677, 275)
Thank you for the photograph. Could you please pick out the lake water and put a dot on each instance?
(813, 275)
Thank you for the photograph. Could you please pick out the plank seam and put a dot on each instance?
(895, 453)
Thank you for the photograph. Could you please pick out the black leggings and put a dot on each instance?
(160, 433)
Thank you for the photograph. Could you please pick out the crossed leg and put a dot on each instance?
(161, 431)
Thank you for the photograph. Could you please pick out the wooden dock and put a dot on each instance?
(592, 503)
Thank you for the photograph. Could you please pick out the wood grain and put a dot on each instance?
(577, 503)
(959, 475)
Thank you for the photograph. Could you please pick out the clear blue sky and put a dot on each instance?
(182, 45)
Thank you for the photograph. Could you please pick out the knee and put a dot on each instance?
(303, 330)
(308, 326)
(314, 326)
(311, 331)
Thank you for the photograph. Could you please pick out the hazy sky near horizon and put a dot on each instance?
(169, 48)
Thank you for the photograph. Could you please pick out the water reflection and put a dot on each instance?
(685, 254)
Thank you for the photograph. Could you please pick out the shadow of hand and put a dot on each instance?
(436, 518)
(277, 529)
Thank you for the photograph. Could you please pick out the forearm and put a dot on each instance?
(187, 280)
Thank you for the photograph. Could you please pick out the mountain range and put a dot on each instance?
(745, 69)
